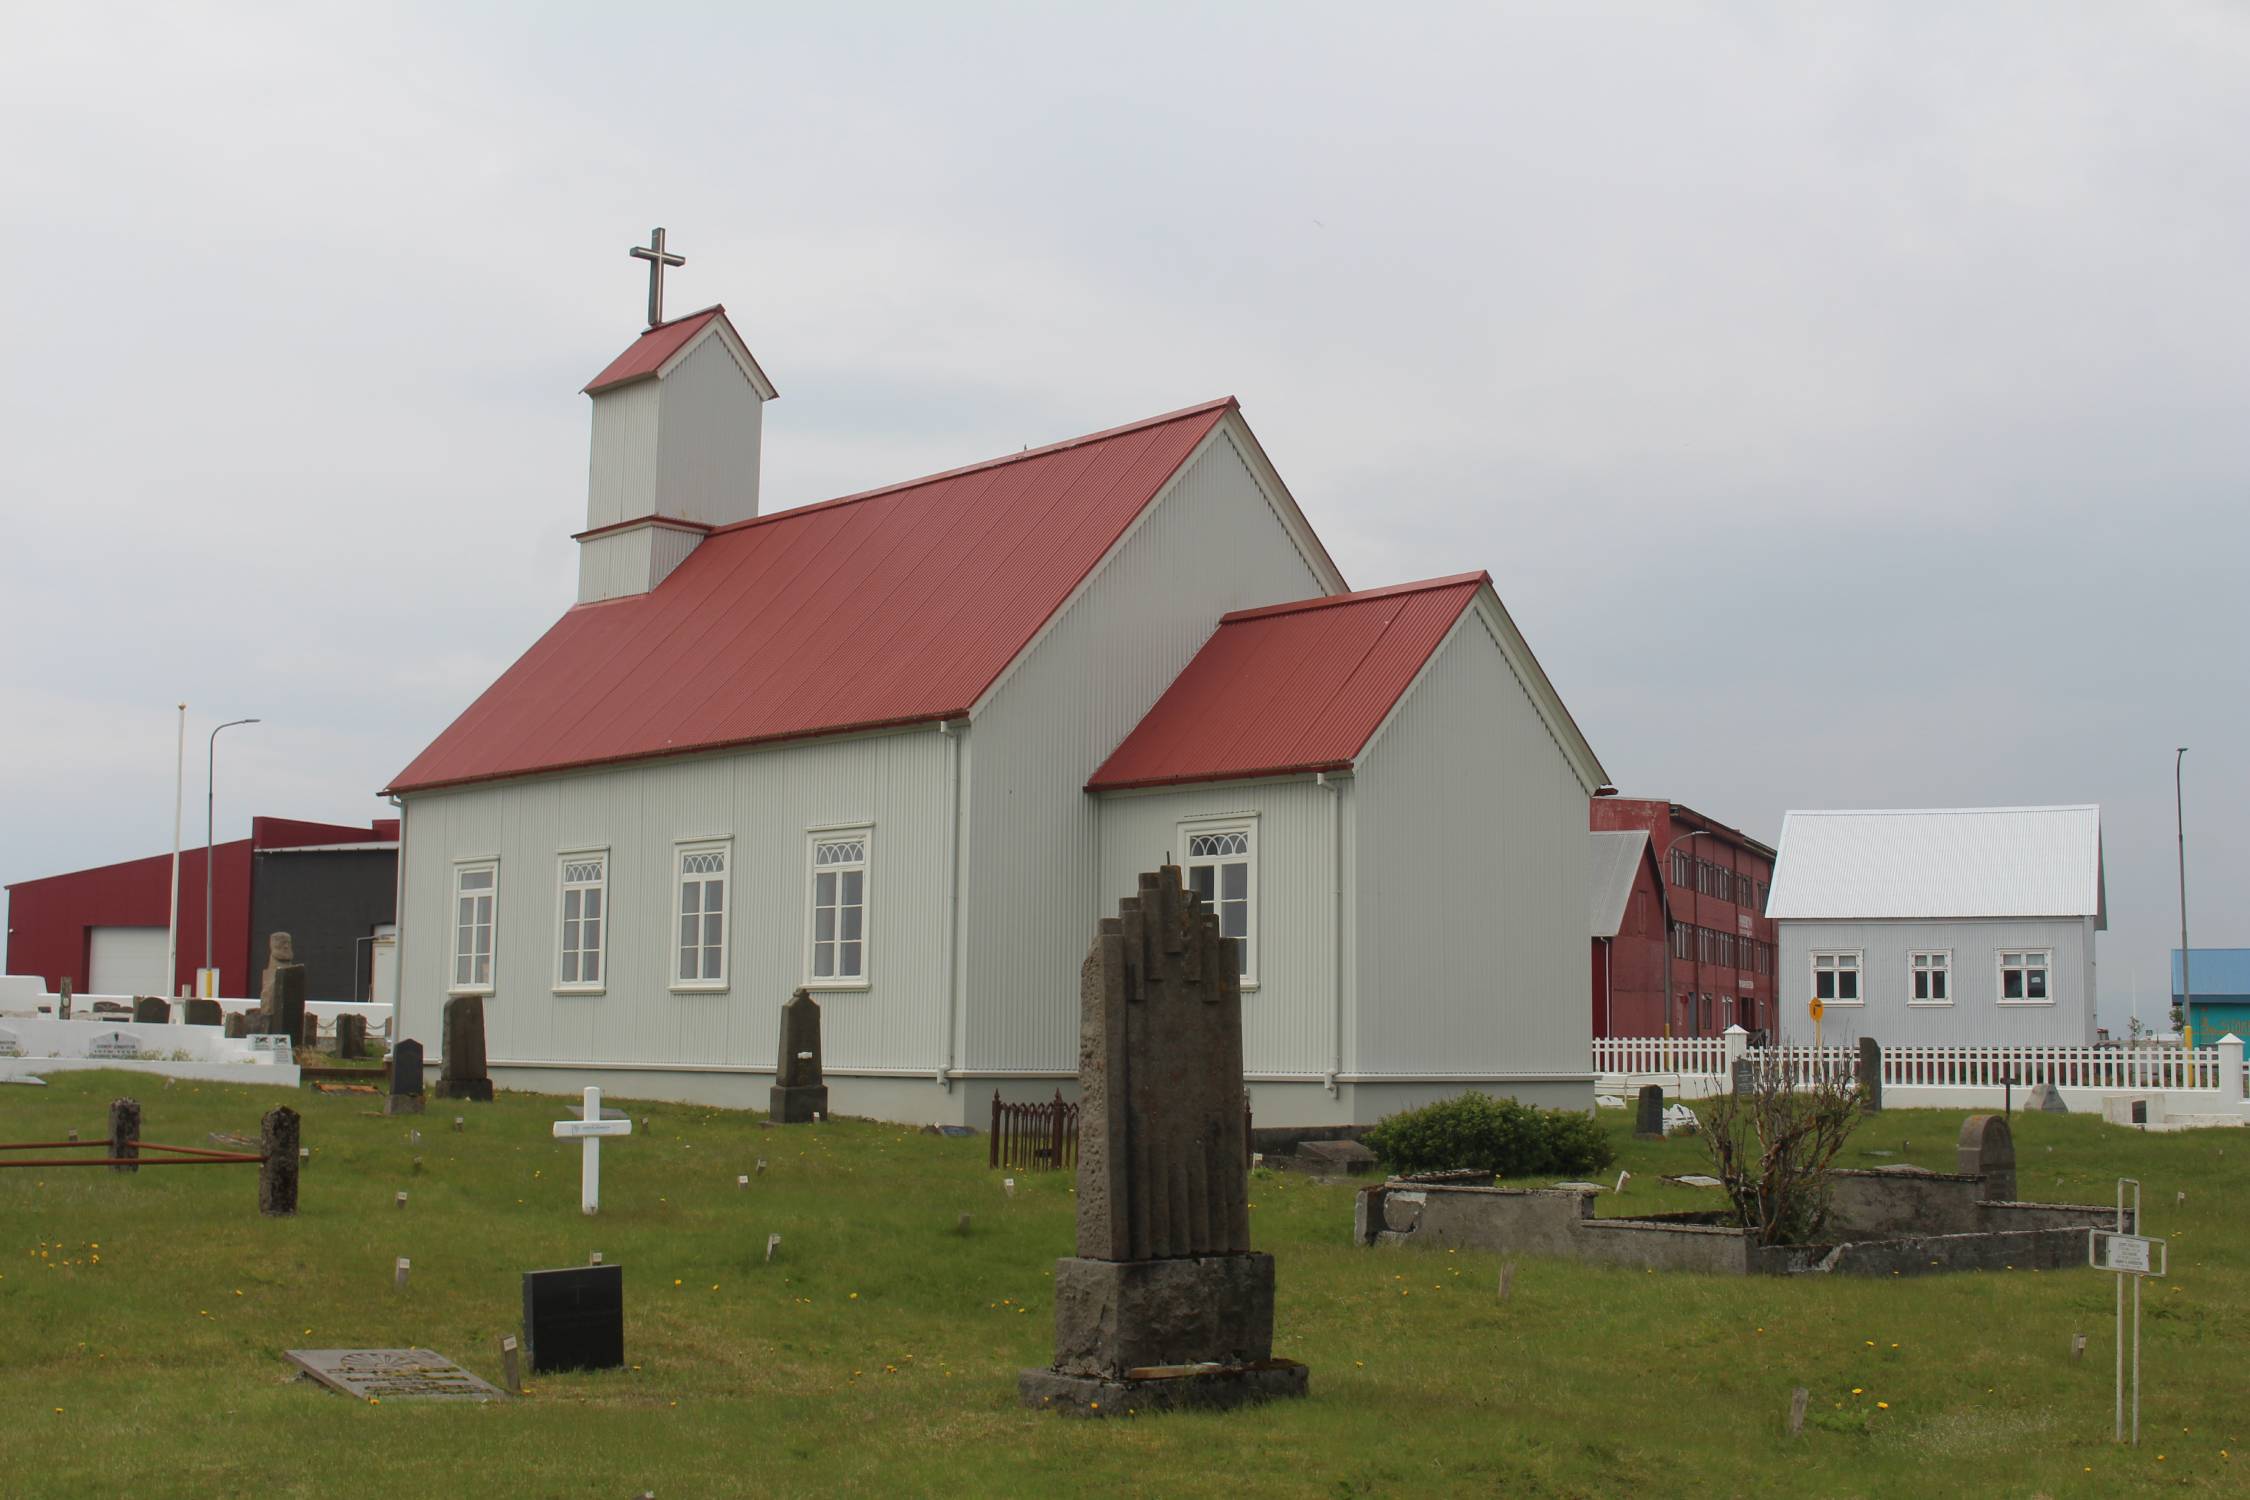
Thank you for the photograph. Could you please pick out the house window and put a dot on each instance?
(585, 921)
(699, 960)
(1933, 979)
(836, 944)
(474, 889)
(1222, 869)
(2023, 978)
(1835, 978)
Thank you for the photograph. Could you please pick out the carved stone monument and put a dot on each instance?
(1987, 1149)
(798, 1091)
(281, 992)
(405, 1097)
(465, 1076)
(278, 1135)
(1165, 1305)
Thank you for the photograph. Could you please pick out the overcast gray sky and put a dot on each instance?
(1848, 400)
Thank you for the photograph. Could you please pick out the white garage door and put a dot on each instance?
(128, 961)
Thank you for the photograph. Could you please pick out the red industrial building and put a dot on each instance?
(1682, 944)
(104, 929)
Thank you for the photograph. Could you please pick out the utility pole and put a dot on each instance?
(2179, 822)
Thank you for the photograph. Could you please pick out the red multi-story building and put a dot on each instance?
(1688, 950)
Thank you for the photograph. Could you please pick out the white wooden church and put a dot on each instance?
(906, 746)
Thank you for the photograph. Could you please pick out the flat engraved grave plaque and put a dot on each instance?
(393, 1375)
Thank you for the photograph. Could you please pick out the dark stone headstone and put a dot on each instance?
(465, 1076)
(277, 1174)
(1987, 1149)
(1871, 1074)
(1164, 1304)
(150, 1011)
(1745, 1078)
(203, 1013)
(351, 1036)
(124, 1132)
(284, 1010)
(574, 1319)
(1648, 1119)
(237, 1023)
(406, 1079)
(799, 1091)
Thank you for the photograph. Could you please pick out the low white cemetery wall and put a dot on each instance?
(280, 1075)
(25, 997)
(37, 1038)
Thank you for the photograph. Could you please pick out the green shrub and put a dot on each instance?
(1500, 1135)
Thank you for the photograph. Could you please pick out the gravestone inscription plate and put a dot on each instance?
(392, 1375)
(574, 1319)
(10, 1044)
(114, 1044)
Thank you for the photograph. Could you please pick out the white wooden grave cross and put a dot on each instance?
(590, 1129)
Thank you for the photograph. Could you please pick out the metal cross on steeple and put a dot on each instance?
(658, 258)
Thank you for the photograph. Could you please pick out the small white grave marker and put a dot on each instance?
(511, 1368)
(761, 1166)
(743, 1181)
(589, 1130)
(594, 1259)
(773, 1247)
(1008, 1185)
(398, 1273)
(399, 1201)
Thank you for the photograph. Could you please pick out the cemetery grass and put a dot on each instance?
(144, 1318)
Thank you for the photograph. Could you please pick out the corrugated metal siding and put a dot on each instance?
(1975, 1018)
(614, 565)
(1212, 543)
(765, 801)
(1289, 1020)
(710, 422)
(621, 471)
(1472, 874)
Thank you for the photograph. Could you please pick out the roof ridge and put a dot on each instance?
(1222, 403)
(1925, 812)
(1361, 596)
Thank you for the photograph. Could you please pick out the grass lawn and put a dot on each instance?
(142, 1320)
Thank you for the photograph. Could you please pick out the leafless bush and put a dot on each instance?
(1774, 1144)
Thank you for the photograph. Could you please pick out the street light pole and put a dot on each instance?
(172, 921)
(210, 796)
(2179, 823)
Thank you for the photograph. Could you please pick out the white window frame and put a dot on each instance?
(841, 833)
(1245, 824)
(2042, 959)
(681, 853)
(1858, 970)
(457, 985)
(1943, 965)
(563, 887)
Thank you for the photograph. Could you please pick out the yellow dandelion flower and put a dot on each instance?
(1882, 1406)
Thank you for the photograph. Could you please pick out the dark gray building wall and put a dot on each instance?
(326, 900)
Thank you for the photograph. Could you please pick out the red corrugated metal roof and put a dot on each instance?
(1290, 688)
(896, 606)
(646, 354)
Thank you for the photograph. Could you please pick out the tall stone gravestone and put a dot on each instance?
(798, 1090)
(1987, 1149)
(237, 1024)
(406, 1079)
(574, 1319)
(148, 1010)
(351, 1036)
(1871, 1074)
(465, 1076)
(1165, 1304)
(281, 991)
(1648, 1120)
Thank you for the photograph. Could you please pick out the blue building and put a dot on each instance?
(2221, 1002)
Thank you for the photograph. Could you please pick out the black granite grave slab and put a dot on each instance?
(574, 1319)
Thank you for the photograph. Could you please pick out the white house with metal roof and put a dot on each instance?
(1946, 926)
(905, 747)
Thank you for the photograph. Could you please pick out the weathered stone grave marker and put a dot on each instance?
(465, 1075)
(1987, 1149)
(399, 1272)
(279, 1136)
(2045, 1098)
(799, 1090)
(1797, 1400)
(773, 1247)
(589, 1130)
(351, 1036)
(281, 990)
(1164, 1304)
(406, 1079)
(1870, 1075)
(511, 1364)
(2078, 1346)
(392, 1374)
(203, 1013)
(574, 1319)
(399, 1202)
(961, 1226)
(1648, 1119)
(150, 1011)
(124, 1133)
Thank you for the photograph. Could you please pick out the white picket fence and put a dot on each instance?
(2192, 1081)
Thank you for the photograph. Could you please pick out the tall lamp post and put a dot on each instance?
(2179, 823)
(210, 797)
(1671, 925)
